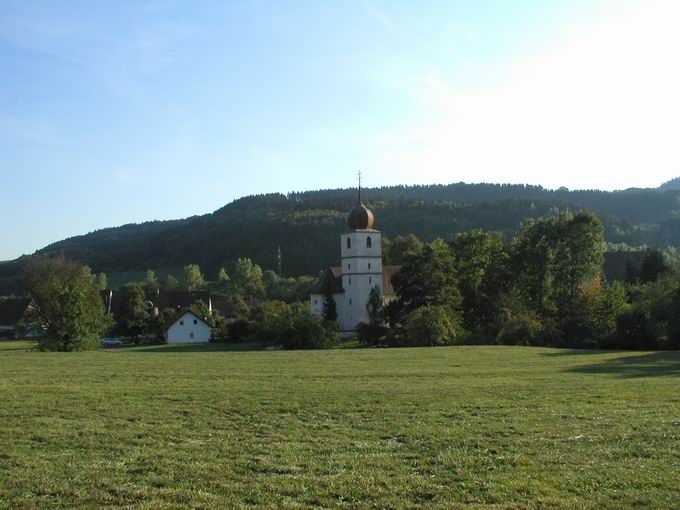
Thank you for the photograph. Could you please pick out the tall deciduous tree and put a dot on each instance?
(66, 300)
(248, 278)
(132, 314)
(193, 278)
(427, 279)
(480, 263)
(151, 284)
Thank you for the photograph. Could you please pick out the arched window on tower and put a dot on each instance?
(349, 243)
(369, 242)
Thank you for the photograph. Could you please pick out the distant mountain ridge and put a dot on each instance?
(306, 225)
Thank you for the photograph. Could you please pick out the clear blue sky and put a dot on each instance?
(125, 111)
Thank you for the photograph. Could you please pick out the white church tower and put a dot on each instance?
(361, 255)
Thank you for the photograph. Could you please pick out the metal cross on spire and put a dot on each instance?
(359, 174)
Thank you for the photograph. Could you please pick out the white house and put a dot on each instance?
(187, 328)
(361, 269)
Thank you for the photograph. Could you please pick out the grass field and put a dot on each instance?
(478, 427)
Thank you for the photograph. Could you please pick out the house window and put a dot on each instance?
(349, 243)
(350, 301)
(181, 323)
(349, 266)
(370, 280)
(369, 265)
(349, 280)
(191, 335)
(369, 242)
(316, 302)
(195, 321)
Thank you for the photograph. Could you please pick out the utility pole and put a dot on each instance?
(278, 261)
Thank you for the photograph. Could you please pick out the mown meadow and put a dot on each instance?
(448, 427)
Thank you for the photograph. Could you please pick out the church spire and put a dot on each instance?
(361, 218)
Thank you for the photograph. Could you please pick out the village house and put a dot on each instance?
(186, 328)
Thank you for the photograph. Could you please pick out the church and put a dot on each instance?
(361, 269)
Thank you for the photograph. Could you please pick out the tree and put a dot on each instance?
(330, 308)
(579, 254)
(432, 325)
(374, 307)
(248, 278)
(102, 281)
(170, 283)
(401, 248)
(193, 278)
(131, 318)
(653, 266)
(66, 301)
(223, 279)
(426, 279)
(151, 284)
(480, 262)
(532, 259)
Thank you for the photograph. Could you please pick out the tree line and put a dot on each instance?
(545, 287)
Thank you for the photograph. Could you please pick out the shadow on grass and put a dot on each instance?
(654, 364)
(575, 352)
(210, 347)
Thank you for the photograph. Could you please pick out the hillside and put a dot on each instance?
(306, 225)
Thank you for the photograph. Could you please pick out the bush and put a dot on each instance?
(370, 334)
(634, 330)
(292, 326)
(517, 324)
(432, 325)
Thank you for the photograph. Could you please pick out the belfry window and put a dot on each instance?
(369, 242)
(349, 243)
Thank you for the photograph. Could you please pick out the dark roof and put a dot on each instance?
(330, 282)
(614, 267)
(388, 273)
(179, 315)
(12, 310)
(179, 298)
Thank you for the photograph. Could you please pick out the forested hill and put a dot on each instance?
(306, 225)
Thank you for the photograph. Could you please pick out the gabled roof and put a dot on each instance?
(181, 314)
(330, 282)
(388, 272)
(12, 310)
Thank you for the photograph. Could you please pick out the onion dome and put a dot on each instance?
(361, 218)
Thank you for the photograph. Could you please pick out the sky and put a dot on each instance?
(113, 112)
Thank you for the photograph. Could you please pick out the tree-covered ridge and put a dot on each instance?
(672, 184)
(306, 225)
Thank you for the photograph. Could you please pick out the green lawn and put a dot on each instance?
(478, 427)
